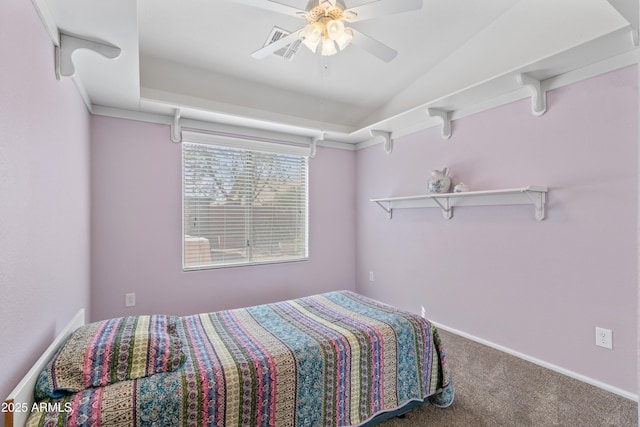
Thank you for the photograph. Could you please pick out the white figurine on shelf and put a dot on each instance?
(461, 188)
(439, 181)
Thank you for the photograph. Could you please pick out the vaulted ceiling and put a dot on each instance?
(193, 56)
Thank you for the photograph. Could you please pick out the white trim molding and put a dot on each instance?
(542, 363)
(243, 142)
(192, 124)
(614, 63)
(47, 20)
(593, 70)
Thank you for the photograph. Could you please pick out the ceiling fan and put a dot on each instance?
(326, 24)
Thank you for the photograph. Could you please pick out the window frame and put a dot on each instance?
(239, 144)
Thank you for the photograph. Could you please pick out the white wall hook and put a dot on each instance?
(176, 129)
(69, 44)
(538, 95)
(388, 143)
(445, 119)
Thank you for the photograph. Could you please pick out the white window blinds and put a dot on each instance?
(242, 206)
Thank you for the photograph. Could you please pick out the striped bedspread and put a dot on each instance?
(334, 359)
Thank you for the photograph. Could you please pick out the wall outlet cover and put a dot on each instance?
(604, 338)
(130, 300)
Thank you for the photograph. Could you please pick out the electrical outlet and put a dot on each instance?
(604, 338)
(130, 300)
(371, 277)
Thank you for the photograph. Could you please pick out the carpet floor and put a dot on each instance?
(493, 388)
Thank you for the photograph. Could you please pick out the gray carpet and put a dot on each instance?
(497, 389)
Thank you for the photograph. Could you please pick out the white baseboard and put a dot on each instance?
(575, 375)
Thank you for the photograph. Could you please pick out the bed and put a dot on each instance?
(333, 359)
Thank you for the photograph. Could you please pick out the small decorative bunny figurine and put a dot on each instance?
(439, 181)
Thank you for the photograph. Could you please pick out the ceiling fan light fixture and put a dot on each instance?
(313, 32)
(328, 47)
(335, 29)
(326, 26)
(345, 38)
(312, 45)
(327, 4)
(311, 35)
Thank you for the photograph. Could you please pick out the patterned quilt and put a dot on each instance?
(334, 359)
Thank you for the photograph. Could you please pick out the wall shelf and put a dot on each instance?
(536, 196)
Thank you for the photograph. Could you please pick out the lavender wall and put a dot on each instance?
(494, 272)
(538, 288)
(44, 194)
(136, 230)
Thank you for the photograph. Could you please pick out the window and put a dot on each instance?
(243, 206)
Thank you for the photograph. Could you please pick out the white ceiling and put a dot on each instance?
(194, 55)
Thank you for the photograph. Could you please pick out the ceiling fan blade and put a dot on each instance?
(381, 8)
(349, 4)
(274, 6)
(373, 46)
(278, 44)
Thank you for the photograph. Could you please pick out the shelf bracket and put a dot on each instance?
(176, 129)
(538, 199)
(313, 148)
(445, 118)
(388, 143)
(447, 210)
(538, 95)
(69, 44)
(388, 209)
